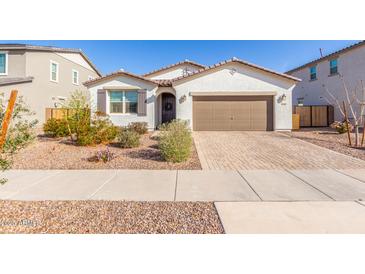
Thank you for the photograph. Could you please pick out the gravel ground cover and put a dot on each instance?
(329, 138)
(108, 217)
(50, 153)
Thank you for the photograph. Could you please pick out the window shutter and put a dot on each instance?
(101, 100)
(142, 102)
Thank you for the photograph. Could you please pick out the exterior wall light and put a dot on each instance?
(283, 99)
(182, 99)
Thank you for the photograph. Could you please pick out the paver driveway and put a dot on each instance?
(265, 150)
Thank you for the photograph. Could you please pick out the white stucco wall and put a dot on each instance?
(173, 72)
(351, 65)
(123, 82)
(245, 79)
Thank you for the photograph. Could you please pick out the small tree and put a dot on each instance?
(78, 119)
(351, 102)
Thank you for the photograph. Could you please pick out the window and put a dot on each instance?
(333, 67)
(3, 63)
(54, 72)
(75, 77)
(313, 73)
(123, 101)
(300, 101)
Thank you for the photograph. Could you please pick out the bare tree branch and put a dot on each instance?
(335, 100)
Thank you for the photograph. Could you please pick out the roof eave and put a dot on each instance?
(49, 49)
(233, 60)
(117, 74)
(316, 61)
(172, 66)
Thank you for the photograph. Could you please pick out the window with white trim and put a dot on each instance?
(54, 71)
(75, 77)
(3, 63)
(123, 102)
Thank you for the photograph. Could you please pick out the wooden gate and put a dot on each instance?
(315, 116)
(57, 113)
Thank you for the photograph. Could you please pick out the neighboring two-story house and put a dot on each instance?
(325, 72)
(44, 76)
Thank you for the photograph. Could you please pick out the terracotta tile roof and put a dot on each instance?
(49, 49)
(116, 74)
(174, 65)
(15, 80)
(169, 82)
(354, 46)
(237, 61)
(164, 83)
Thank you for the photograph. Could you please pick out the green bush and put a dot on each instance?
(139, 127)
(103, 131)
(175, 141)
(341, 127)
(128, 138)
(56, 128)
(20, 132)
(99, 132)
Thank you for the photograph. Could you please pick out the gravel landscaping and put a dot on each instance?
(108, 217)
(50, 153)
(329, 138)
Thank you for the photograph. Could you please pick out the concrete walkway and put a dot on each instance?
(292, 217)
(198, 185)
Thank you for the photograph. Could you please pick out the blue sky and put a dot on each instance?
(144, 56)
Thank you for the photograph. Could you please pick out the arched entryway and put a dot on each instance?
(166, 106)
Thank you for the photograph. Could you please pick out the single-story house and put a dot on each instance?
(231, 95)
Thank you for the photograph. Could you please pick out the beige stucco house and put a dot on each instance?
(44, 76)
(231, 95)
(325, 72)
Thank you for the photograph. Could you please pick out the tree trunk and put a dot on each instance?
(347, 123)
(356, 135)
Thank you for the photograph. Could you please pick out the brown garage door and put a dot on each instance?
(233, 113)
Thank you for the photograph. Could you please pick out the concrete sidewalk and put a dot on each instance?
(184, 185)
(292, 217)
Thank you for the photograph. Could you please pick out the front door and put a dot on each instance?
(168, 107)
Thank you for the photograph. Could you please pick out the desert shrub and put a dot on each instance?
(102, 155)
(103, 130)
(21, 129)
(139, 127)
(128, 138)
(100, 131)
(20, 132)
(175, 141)
(340, 127)
(79, 119)
(56, 128)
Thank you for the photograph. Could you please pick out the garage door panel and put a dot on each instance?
(221, 118)
(241, 115)
(258, 115)
(232, 113)
(204, 112)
